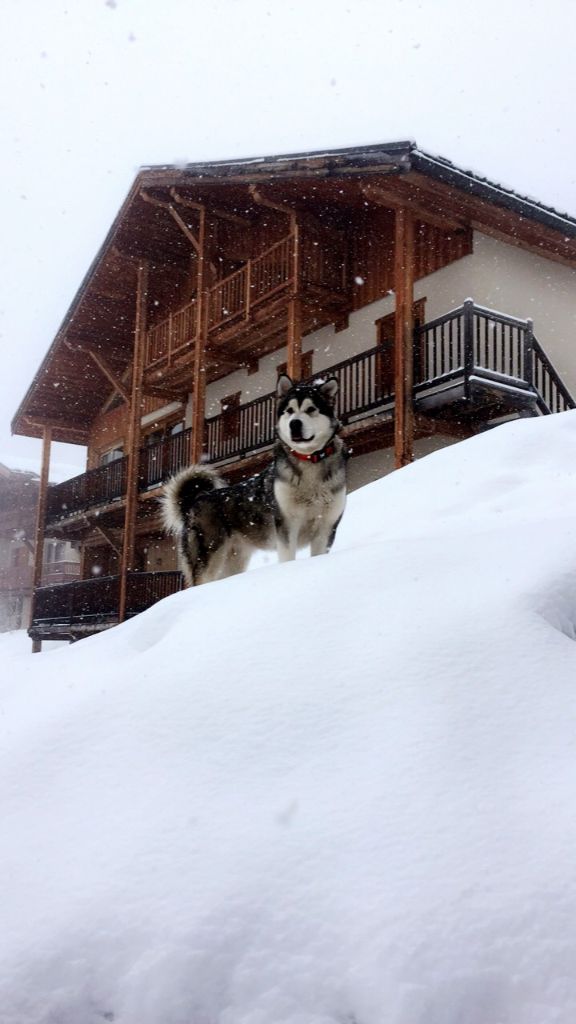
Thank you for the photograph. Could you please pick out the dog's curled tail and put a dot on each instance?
(182, 491)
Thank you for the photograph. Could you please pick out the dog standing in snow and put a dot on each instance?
(296, 502)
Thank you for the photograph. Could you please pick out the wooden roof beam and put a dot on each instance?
(74, 436)
(393, 201)
(104, 533)
(270, 204)
(108, 372)
(104, 367)
(234, 218)
(164, 205)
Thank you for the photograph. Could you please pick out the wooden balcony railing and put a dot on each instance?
(472, 336)
(232, 298)
(95, 602)
(159, 461)
(236, 295)
(473, 340)
(97, 487)
(253, 429)
(362, 387)
(172, 337)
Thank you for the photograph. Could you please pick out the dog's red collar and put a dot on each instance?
(324, 453)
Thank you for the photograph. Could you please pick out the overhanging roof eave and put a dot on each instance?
(474, 185)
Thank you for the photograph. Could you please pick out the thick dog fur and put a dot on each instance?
(297, 501)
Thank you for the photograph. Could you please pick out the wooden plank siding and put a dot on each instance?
(372, 253)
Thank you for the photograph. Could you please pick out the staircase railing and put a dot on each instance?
(552, 394)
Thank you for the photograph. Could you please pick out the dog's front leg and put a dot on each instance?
(286, 541)
(324, 539)
(319, 546)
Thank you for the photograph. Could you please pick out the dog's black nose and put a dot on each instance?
(296, 430)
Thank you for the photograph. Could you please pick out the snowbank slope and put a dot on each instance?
(335, 791)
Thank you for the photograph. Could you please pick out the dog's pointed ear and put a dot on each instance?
(329, 389)
(284, 385)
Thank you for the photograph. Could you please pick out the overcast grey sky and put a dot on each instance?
(92, 89)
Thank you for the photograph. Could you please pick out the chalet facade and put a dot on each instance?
(442, 302)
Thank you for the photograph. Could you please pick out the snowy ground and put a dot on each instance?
(339, 791)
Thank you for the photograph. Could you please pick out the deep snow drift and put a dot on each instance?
(339, 791)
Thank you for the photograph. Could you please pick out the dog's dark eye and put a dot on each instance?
(289, 411)
(311, 411)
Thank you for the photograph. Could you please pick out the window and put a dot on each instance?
(55, 551)
(307, 359)
(161, 433)
(111, 456)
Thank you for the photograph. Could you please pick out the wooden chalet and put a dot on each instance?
(356, 262)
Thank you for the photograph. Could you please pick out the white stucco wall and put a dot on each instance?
(364, 469)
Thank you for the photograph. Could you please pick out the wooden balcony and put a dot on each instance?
(478, 363)
(97, 488)
(73, 610)
(249, 307)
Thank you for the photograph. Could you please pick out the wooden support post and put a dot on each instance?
(294, 355)
(133, 443)
(248, 290)
(404, 337)
(468, 345)
(40, 525)
(294, 340)
(528, 354)
(199, 371)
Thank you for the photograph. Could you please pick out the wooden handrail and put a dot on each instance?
(553, 395)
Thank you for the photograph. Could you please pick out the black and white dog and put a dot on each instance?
(297, 501)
